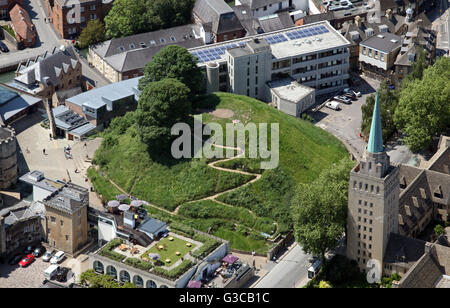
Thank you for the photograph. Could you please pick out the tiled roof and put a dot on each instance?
(21, 22)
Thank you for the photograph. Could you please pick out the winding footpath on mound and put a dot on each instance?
(241, 153)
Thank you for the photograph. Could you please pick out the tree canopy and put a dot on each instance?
(137, 16)
(92, 34)
(161, 105)
(388, 103)
(319, 209)
(174, 62)
(423, 110)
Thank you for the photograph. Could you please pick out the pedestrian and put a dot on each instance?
(43, 151)
(85, 144)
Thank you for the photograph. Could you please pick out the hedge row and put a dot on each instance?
(137, 263)
(176, 226)
(208, 246)
(175, 272)
(107, 250)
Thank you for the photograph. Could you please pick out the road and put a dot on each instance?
(288, 272)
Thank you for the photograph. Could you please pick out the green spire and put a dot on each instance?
(375, 144)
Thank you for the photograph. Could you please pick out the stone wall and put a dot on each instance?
(8, 157)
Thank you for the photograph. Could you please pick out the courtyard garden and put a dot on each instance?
(170, 249)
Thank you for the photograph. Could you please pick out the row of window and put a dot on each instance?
(373, 53)
(366, 187)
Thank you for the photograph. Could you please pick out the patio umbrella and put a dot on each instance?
(124, 207)
(113, 203)
(154, 256)
(136, 203)
(121, 197)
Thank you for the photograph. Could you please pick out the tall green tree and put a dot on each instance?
(174, 62)
(388, 103)
(423, 110)
(161, 104)
(92, 34)
(170, 13)
(418, 66)
(319, 209)
(127, 18)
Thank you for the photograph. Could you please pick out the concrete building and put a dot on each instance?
(262, 8)
(8, 157)
(70, 17)
(217, 21)
(41, 186)
(14, 104)
(124, 58)
(372, 200)
(291, 97)
(23, 27)
(53, 71)
(66, 217)
(315, 55)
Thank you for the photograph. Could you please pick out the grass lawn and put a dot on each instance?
(171, 248)
(102, 185)
(242, 242)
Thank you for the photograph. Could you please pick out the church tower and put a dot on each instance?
(372, 199)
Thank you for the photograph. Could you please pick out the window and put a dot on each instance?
(382, 56)
(265, 8)
(370, 52)
(53, 219)
(93, 16)
(82, 9)
(92, 7)
(163, 40)
(62, 222)
(67, 237)
(256, 91)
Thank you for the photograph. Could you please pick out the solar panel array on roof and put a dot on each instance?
(213, 53)
(296, 34)
(275, 39)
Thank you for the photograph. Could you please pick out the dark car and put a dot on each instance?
(3, 47)
(37, 251)
(28, 250)
(15, 260)
(350, 95)
(61, 275)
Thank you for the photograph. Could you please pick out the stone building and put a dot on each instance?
(54, 71)
(66, 218)
(8, 157)
(70, 17)
(372, 200)
(23, 27)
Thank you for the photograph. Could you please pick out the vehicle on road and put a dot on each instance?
(333, 105)
(3, 47)
(58, 257)
(15, 259)
(37, 252)
(51, 271)
(48, 255)
(61, 274)
(27, 260)
(342, 99)
(314, 269)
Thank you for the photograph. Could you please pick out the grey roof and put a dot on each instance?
(18, 212)
(15, 104)
(276, 22)
(69, 119)
(48, 67)
(400, 247)
(151, 225)
(219, 14)
(36, 178)
(83, 129)
(254, 4)
(385, 43)
(69, 198)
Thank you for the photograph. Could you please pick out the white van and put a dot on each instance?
(58, 257)
(51, 271)
(333, 105)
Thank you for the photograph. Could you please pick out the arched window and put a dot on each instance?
(124, 276)
(151, 284)
(111, 271)
(138, 281)
(98, 267)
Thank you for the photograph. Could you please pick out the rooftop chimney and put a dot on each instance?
(358, 21)
(388, 13)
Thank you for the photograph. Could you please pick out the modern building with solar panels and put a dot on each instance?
(316, 55)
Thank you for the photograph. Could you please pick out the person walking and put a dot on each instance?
(43, 151)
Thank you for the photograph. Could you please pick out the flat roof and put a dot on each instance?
(13, 103)
(290, 90)
(36, 178)
(385, 42)
(284, 43)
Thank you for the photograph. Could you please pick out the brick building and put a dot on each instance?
(23, 26)
(69, 21)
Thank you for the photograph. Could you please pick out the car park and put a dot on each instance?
(351, 91)
(51, 271)
(342, 99)
(58, 257)
(26, 260)
(350, 96)
(48, 255)
(37, 251)
(333, 105)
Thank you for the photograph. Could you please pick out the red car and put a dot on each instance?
(26, 260)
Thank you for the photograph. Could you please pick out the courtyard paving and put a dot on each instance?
(13, 276)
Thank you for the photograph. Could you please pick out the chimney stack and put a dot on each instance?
(358, 21)
(388, 13)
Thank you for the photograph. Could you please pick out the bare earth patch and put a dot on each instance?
(220, 113)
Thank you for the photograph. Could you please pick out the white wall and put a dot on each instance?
(106, 231)
(40, 194)
(299, 5)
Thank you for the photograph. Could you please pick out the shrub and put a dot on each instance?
(208, 246)
(182, 228)
(106, 251)
(137, 263)
(175, 272)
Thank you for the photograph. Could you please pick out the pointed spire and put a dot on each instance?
(375, 144)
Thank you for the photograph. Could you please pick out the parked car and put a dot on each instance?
(48, 255)
(51, 271)
(27, 260)
(28, 250)
(37, 251)
(342, 99)
(15, 259)
(58, 257)
(350, 90)
(333, 105)
(61, 274)
(3, 47)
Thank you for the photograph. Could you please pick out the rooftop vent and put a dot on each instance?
(394, 41)
(369, 32)
(380, 36)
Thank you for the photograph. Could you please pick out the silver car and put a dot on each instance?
(48, 255)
